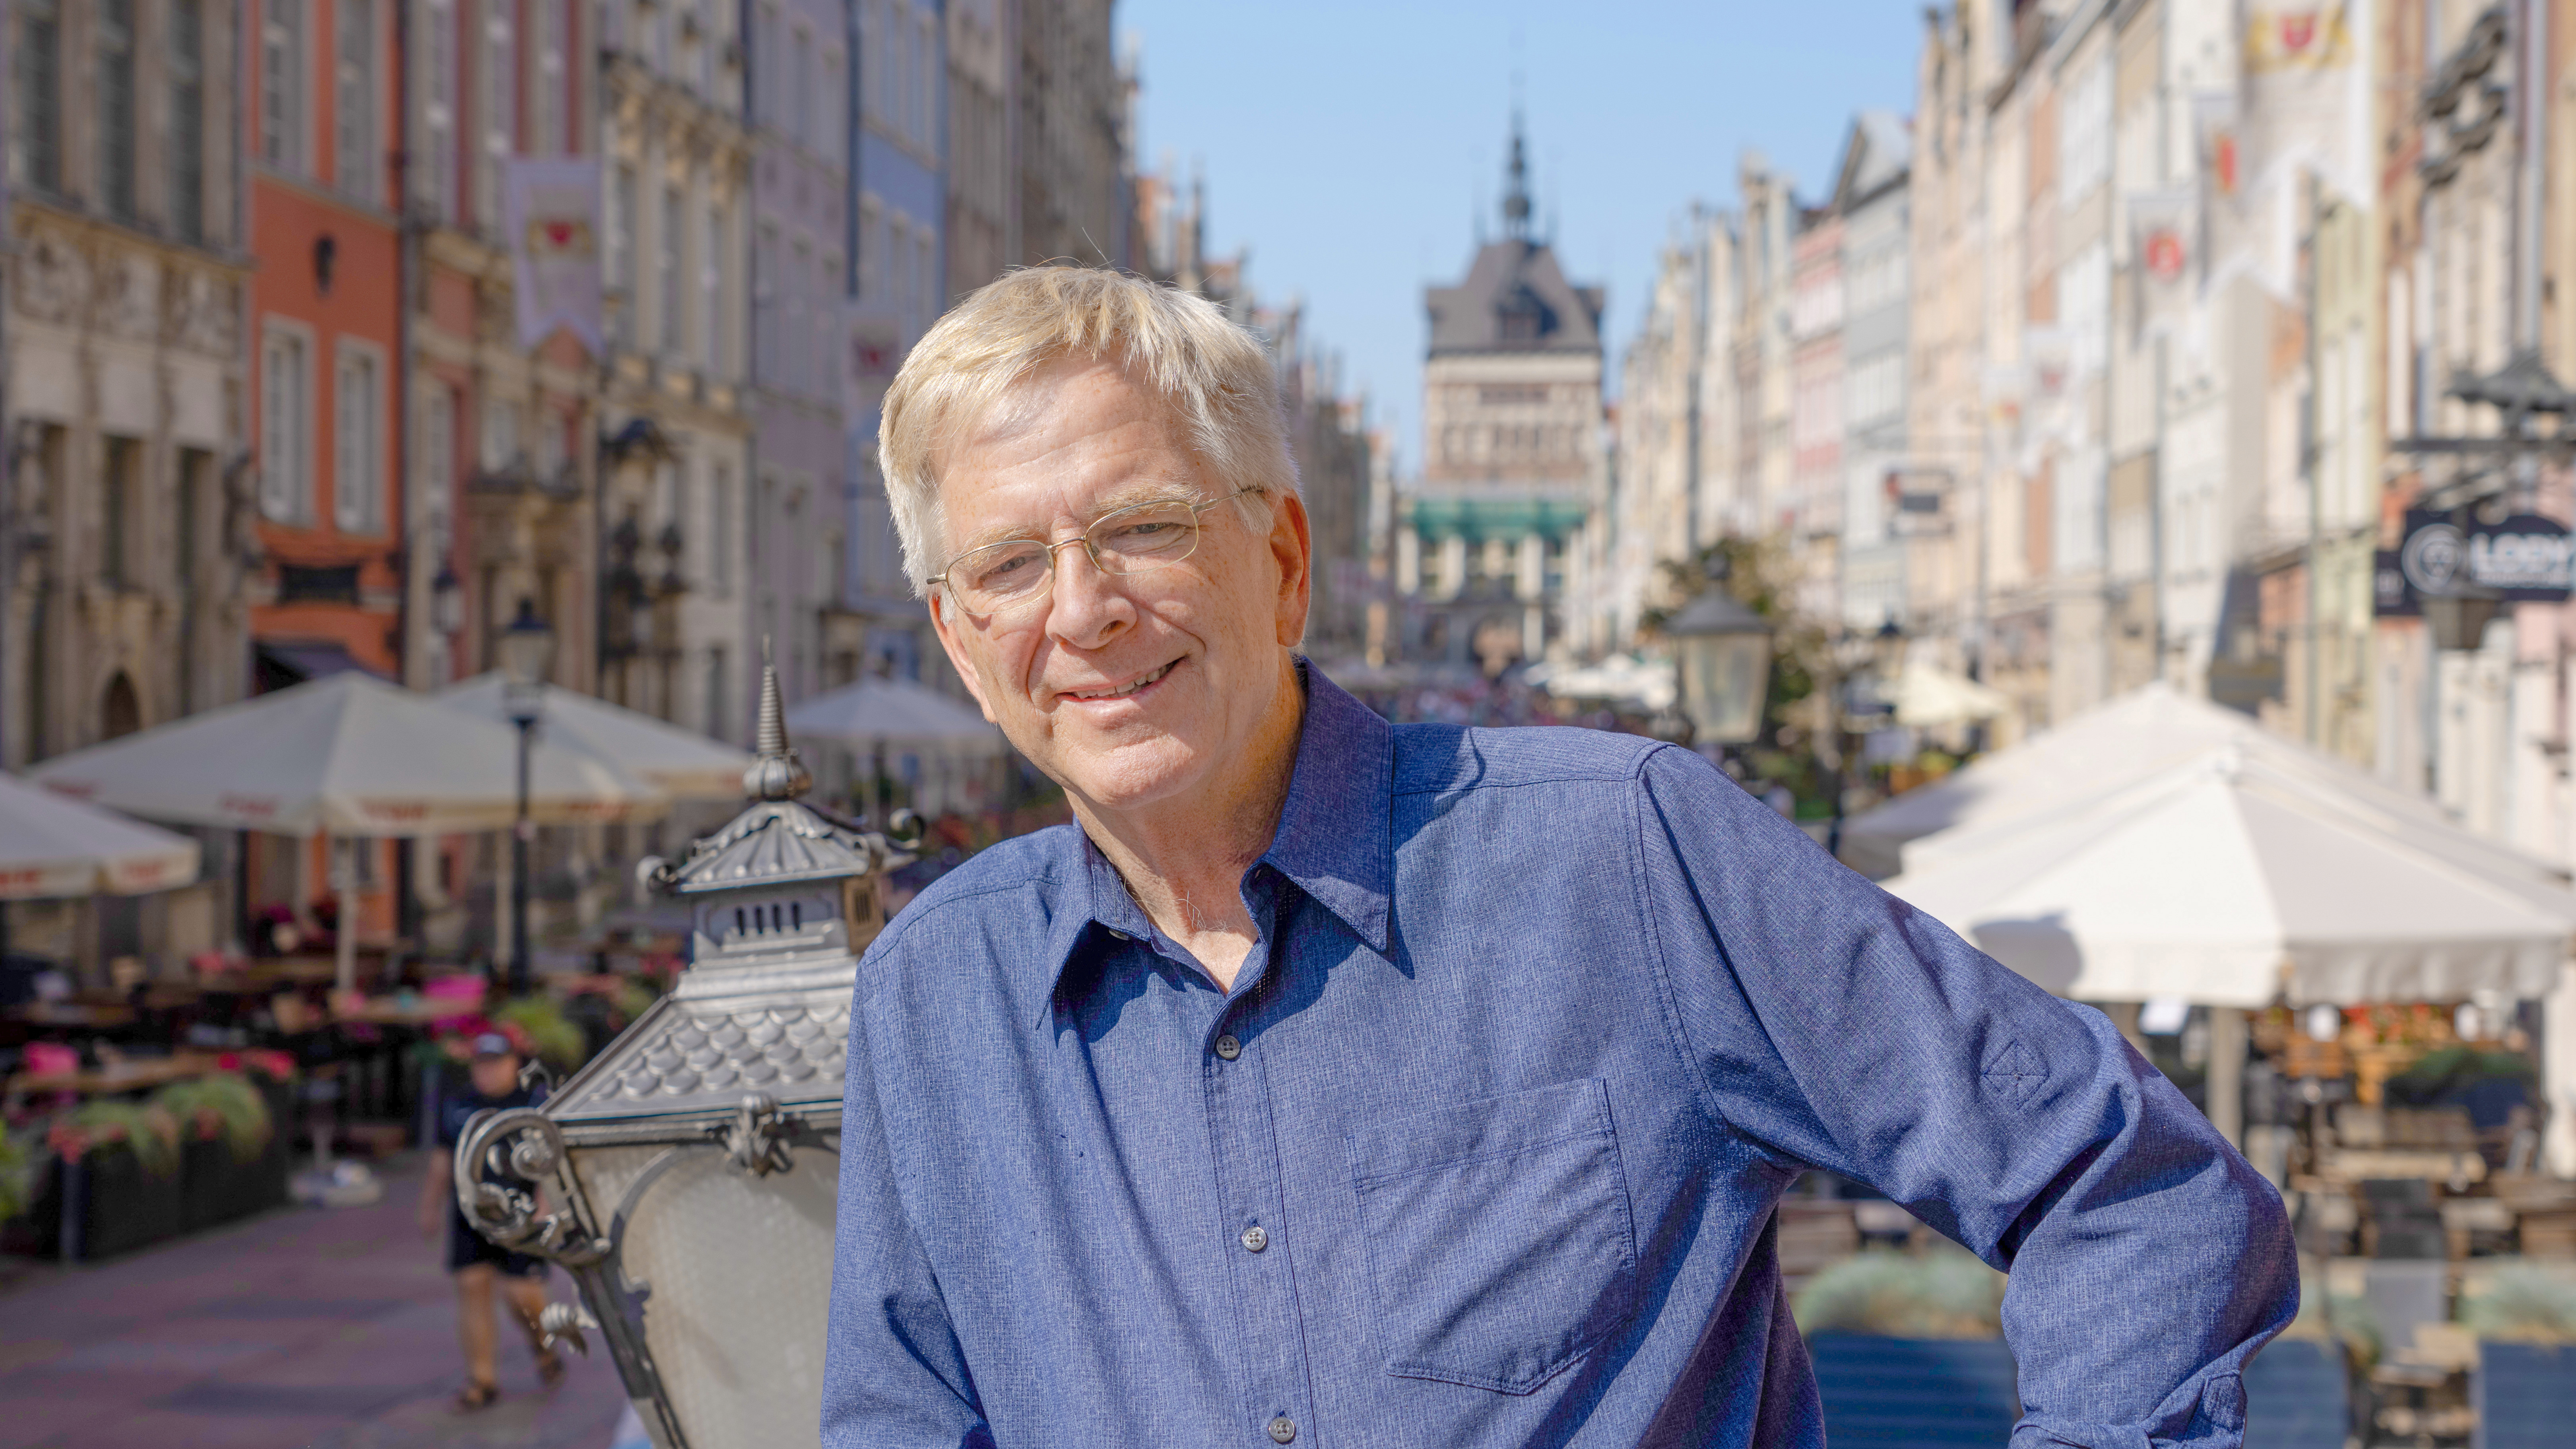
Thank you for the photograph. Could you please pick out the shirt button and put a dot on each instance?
(1116, 934)
(1228, 1048)
(1255, 1238)
(1283, 1429)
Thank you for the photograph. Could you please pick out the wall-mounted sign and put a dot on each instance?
(2524, 559)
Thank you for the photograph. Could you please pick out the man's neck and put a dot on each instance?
(1183, 859)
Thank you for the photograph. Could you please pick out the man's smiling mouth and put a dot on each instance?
(1122, 691)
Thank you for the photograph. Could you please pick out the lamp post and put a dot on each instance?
(685, 1177)
(527, 650)
(1725, 658)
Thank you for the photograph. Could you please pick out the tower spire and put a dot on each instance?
(1516, 195)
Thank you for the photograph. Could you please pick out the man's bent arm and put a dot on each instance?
(1839, 1028)
(894, 1375)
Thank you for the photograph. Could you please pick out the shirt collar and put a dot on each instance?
(1335, 837)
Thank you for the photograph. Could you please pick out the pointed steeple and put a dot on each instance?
(776, 774)
(1516, 195)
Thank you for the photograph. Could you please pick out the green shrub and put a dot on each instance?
(17, 1175)
(2526, 1307)
(220, 1104)
(556, 1037)
(1944, 1293)
(148, 1131)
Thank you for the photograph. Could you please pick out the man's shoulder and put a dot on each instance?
(1008, 888)
(1437, 759)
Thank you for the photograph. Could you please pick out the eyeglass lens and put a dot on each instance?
(1129, 541)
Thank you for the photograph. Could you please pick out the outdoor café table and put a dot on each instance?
(72, 1013)
(132, 1075)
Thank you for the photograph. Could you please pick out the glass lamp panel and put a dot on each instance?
(738, 1289)
(1724, 680)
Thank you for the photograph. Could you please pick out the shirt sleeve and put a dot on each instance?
(894, 1374)
(1839, 1028)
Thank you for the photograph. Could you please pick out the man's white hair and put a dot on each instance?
(1213, 375)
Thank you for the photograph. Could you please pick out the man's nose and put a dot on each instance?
(1088, 609)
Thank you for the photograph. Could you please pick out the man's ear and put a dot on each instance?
(1292, 547)
(957, 657)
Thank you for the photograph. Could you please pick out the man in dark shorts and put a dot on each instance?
(475, 1260)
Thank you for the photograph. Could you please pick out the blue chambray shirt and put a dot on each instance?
(1482, 1148)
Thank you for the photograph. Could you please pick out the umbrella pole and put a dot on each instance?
(344, 934)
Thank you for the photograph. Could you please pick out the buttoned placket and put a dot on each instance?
(1254, 1238)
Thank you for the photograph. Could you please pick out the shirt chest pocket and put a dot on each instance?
(1499, 1237)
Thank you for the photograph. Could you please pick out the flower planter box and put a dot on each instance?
(106, 1204)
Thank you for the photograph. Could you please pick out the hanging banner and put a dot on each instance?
(551, 208)
(2525, 559)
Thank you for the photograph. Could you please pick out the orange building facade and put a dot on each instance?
(320, 132)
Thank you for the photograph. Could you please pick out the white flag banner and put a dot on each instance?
(552, 208)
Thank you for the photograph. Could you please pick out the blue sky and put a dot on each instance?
(1352, 146)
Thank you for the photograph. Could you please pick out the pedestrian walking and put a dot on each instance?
(1332, 1081)
(484, 1269)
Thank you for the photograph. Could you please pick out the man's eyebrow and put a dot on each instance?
(1127, 496)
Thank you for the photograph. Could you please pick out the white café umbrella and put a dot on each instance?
(51, 847)
(895, 713)
(2135, 737)
(347, 756)
(683, 764)
(2229, 881)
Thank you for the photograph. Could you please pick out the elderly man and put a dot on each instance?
(1342, 1084)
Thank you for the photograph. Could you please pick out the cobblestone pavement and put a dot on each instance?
(323, 1329)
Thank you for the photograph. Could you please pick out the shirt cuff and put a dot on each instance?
(2206, 1414)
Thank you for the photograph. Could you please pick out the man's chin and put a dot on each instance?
(1123, 777)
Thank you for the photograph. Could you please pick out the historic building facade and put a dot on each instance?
(800, 181)
(675, 450)
(134, 558)
(1513, 450)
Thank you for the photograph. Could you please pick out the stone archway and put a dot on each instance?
(120, 710)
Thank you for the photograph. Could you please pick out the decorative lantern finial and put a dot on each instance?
(777, 774)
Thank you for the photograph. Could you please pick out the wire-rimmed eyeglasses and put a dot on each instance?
(1007, 577)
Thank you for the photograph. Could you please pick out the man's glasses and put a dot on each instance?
(1005, 578)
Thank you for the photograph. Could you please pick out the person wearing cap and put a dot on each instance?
(477, 1263)
(1336, 1082)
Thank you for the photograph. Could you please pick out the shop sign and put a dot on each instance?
(2525, 559)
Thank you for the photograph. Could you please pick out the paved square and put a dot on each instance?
(321, 1329)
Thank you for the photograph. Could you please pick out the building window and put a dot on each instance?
(39, 157)
(357, 481)
(501, 108)
(187, 144)
(799, 319)
(711, 328)
(835, 115)
(872, 244)
(554, 87)
(439, 109)
(720, 537)
(719, 695)
(281, 68)
(286, 426)
(800, 87)
(925, 46)
(356, 102)
(500, 434)
(621, 235)
(116, 107)
(118, 514)
(438, 462)
(672, 237)
(769, 307)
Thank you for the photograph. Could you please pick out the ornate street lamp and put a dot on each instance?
(1725, 658)
(527, 650)
(689, 1170)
